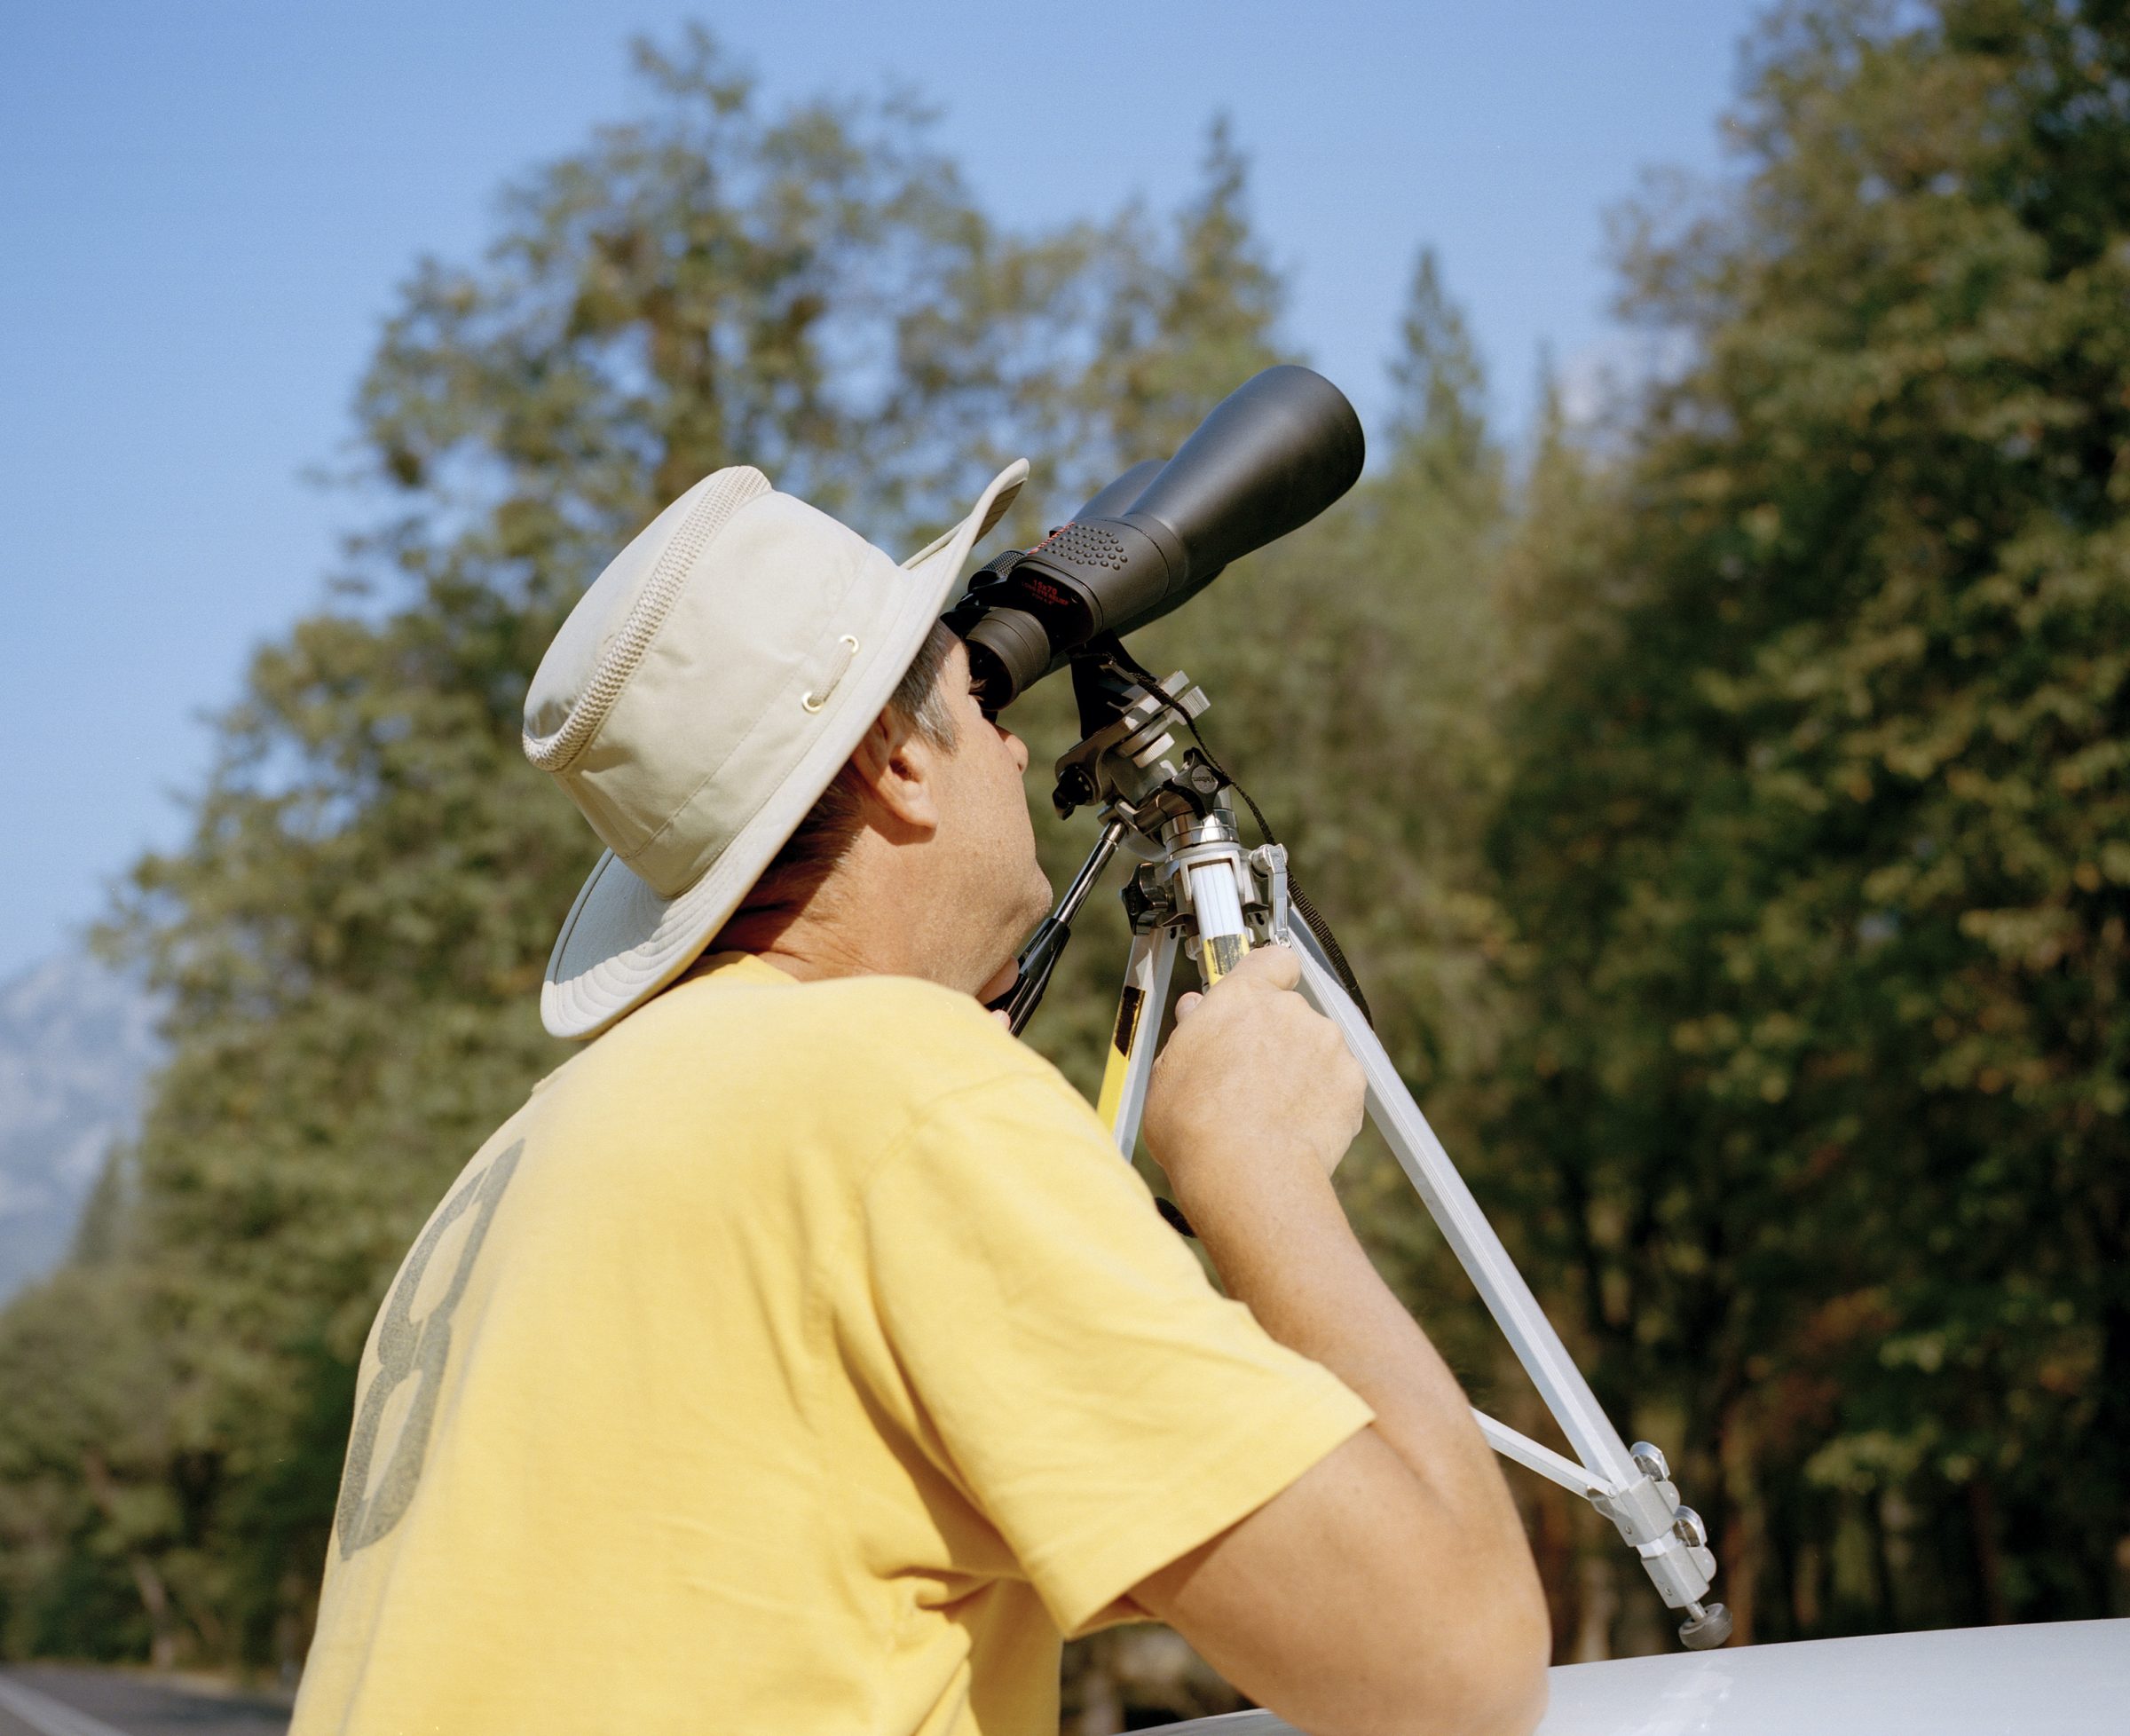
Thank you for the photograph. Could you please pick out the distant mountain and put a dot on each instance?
(77, 1045)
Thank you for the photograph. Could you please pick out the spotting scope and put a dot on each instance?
(1270, 456)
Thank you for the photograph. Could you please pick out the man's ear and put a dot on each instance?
(898, 771)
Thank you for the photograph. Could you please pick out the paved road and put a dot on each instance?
(50, 1699)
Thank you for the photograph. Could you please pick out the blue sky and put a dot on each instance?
(204, 210)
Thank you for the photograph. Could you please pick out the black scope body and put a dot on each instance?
(1270, 456)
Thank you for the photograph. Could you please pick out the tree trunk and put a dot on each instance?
(155, 1595)
(1096, 1692)
(1989, 1564)
(1739, 1551)
(1598, 1589)
(1551, 1521)
(155, 1599)
(1805, 1598)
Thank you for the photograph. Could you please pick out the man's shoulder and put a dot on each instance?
(890, 1037)
(909, 1002)
(792, 1082)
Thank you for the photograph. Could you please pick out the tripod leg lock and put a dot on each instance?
(1269, 864)
(1670, 1537)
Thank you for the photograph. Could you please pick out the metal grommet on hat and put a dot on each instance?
(698, 699)
(814, 701)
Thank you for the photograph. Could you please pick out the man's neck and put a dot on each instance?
(841, 930)
(814, 955)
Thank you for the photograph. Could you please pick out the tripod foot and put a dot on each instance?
(1706, 1629)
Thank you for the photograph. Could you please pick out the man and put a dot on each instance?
(800, 1357)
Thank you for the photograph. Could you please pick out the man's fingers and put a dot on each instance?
(1263, 967)
(1268, 966)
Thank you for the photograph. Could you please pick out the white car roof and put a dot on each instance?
(2059, 1679)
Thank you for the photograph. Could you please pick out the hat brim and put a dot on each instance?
(621, 943)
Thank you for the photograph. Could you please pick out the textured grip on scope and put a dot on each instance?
(1086, 545)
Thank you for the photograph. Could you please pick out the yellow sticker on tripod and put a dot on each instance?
(1222, 954)
(1119, 1064)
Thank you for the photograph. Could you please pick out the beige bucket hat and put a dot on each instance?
(698, 699)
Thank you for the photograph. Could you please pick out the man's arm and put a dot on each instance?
(1390, 1589)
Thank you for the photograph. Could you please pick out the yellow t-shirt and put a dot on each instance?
(801, 1358)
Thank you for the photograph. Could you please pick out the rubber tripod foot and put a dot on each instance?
(1708, 1630)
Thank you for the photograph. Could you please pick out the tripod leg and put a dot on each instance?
(1132, 1038)
(1640, 1500)
(1479, 1249)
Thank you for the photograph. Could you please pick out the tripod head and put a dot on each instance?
(1270, 456)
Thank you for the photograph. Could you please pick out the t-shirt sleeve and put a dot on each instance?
(1104, 1407)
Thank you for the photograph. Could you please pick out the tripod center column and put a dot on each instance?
(1213, 869)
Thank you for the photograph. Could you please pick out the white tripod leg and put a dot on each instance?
(1630, 1488)
(1134, 1035)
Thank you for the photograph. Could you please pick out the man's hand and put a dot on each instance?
(1390, 1589)
(1253, 1081)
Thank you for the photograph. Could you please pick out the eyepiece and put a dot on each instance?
(1009, 653)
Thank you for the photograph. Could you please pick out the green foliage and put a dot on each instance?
(91, 1521)
(1813, 839)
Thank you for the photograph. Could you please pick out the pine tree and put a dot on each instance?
(1812, 840)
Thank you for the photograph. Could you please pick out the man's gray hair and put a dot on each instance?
(825, 835)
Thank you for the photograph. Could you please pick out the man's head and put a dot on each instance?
(919, 858)
(739, 656)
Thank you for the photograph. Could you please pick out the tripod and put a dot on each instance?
(1197, 888)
